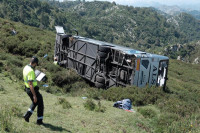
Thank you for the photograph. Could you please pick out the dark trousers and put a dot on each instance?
(40, 104)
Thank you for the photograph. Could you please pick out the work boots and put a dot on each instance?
(27, 116)
(40, 122)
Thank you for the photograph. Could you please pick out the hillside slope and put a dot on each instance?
(176, 10)
(187, 24)
(190, 27)
(140, 28)
(178, 108)
(76, 119)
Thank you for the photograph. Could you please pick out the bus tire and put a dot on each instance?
(104, 49)
(100, 79)
(99, 85)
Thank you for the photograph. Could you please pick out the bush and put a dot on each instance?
(14, 62)
(65, 104)
(147, 112)
(3, 56)
(76, 88)
(89, 105)
(100, 108)
(18, 72)
(64, 77)
(52, 89)
(138, 96)
(95, 93)
(52, 68)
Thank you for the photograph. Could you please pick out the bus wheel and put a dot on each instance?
(99, 85)
(100, 79)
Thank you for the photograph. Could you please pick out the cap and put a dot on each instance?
(34, 59)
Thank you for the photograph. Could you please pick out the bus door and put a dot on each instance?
(162, 73)
(144, 72)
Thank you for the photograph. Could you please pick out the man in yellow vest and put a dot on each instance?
(33, 91)
(55, 61)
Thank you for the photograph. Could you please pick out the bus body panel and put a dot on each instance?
(108, 65)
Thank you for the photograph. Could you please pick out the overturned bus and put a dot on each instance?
(107, 65)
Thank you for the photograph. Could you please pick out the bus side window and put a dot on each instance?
(145, 63)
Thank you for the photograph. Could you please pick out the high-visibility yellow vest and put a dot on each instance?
(29, 75)
(55, 62)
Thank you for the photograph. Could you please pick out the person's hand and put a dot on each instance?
(35, 99)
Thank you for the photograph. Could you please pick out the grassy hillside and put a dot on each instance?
(76, 119)
(176, 110)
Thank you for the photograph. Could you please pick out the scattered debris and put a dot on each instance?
(132, 110)
(84, 97)
(45, 85)
(45, 55)
(125, 104)
(14, 32)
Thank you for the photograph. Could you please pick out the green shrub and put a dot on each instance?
(18, 72)
(52, 68)
(66, 88)
(100, 108)
(78, 88)
(95, 93)
(64, 77)
(90, 105)
(52, 89)
(15, 61)
(138, 96)
(6, 74)
(147, 112)
(3, 56)
(65, 104)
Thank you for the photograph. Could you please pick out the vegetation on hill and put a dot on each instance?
(141, 28)
(188, 25)
(36, 13)
(176, 110)
(195, 13)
